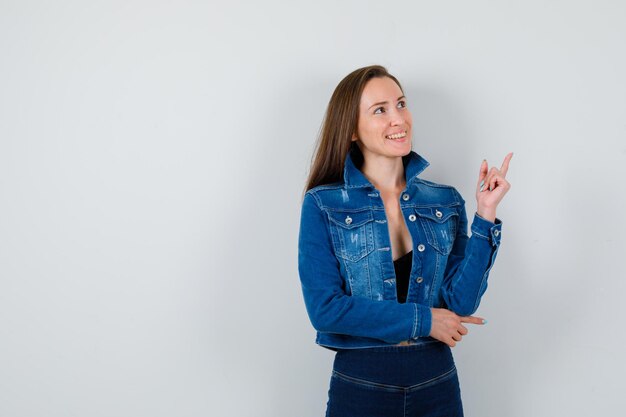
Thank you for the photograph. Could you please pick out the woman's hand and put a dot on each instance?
(492, 186)
(447, 328)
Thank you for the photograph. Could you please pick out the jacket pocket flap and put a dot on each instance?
(436, 214)
(350, 220)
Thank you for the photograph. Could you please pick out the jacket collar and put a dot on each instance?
(414, 164)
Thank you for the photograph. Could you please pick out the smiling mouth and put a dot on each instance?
(396, 135)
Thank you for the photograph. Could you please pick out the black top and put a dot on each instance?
(402, 265)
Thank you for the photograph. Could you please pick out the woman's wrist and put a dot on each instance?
(487, 213)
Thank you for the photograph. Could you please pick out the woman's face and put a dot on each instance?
(384, 127)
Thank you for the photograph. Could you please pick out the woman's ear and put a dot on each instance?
(354, 138)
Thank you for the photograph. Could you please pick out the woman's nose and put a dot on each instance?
(397, 118)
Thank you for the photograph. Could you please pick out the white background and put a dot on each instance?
(152, 160)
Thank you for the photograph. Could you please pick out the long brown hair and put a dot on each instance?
(340, 122)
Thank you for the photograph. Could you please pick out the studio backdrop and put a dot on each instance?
(153, 156)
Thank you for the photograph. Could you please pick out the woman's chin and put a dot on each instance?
(399, 145)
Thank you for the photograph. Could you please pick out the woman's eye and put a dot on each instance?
(382, 109)
(402, 103)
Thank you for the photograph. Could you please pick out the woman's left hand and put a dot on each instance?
(492, 186)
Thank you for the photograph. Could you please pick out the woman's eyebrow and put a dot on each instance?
(384, 102)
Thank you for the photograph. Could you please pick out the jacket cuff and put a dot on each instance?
(422, 321)
(485, 229)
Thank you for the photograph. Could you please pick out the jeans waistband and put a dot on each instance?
(395, 365)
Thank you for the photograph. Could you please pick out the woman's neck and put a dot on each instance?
(385, 173)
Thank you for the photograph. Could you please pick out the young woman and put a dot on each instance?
(388, 272)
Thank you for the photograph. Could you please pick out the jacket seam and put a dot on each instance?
(485, 275)
(415, 322)
(474, 232)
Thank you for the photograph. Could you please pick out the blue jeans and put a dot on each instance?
(395, 381)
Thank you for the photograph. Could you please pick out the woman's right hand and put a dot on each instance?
(446, 326)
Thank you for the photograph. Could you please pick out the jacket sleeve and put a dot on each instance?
(469, 262)
(329, 308)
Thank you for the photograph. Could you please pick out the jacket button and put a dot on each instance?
(348, 219)
(421, 247)
(405, 197)
(412, 217)
(496, 233)
(438, 214)
(419, 280)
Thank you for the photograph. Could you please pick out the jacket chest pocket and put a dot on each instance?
(352, 233)
(440, 226)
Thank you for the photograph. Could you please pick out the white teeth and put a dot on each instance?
(397, 136)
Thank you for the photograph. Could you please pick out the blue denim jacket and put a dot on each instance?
(346, 268)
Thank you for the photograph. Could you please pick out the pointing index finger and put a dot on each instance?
(473, 320)
(505, 164)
